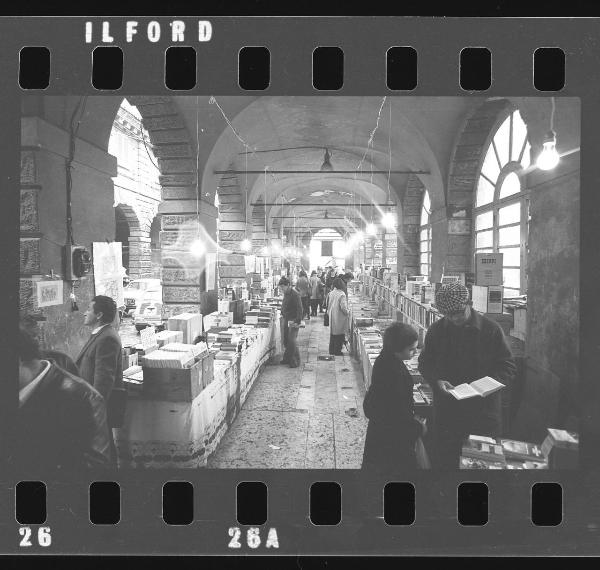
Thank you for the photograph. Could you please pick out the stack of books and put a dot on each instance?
(197, 350)
(484, 449)
(522, 451)
(131, 371)
(561, 449)
(165, 337)
(165, 359)
(226, 356)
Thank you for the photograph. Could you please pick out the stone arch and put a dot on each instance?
(408, 231)
(182, 275)
(454, 253)
(134, 246)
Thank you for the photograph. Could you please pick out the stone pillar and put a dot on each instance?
(408, 228)
(184, 275)
(140, 264)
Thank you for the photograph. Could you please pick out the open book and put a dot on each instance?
(482, 387)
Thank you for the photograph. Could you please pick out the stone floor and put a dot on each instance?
(300, 418)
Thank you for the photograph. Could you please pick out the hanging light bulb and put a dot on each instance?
(326, 166)
(549, 157)
(359, 236)
(371, 229)
(246, 245)
(197, 248)
(388, 220)
(266, 250)
(276, 249)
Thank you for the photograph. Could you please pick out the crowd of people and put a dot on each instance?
(325, 291)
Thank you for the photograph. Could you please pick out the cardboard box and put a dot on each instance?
(188, 323)
(487, 299)
(488, 268)
(172, 384)
(414, 288)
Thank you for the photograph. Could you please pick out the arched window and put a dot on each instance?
(425, 235)
(500, 214)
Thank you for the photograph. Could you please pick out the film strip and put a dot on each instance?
(205, 90)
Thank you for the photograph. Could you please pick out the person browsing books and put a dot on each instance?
(462, 347)
(393, 429)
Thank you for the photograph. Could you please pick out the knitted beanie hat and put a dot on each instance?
(451, 297)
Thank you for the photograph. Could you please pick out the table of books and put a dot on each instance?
(366, 333)
(159, 433)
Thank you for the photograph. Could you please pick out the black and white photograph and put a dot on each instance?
(375, 283)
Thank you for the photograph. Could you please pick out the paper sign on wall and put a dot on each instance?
(108, 270)
(49, 293)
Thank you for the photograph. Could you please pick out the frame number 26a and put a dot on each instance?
(43, 536)
(253, 539)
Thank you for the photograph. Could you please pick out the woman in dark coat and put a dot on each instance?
(388, 404)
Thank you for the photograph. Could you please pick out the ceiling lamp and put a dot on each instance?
(266, 250)
(246, 245)
(326, 166)
(388, 220)
(549, 157)
(197, 248)
(371, 229)
(359, 236)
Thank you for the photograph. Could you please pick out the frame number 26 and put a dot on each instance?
(253, 538)
(43, 536)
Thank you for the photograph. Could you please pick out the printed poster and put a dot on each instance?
(108, 270)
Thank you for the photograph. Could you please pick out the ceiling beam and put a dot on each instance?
(366, 172)
(321, 204)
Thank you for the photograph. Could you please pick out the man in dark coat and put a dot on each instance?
(100, 361)
(291, 314)
(462, 347)
(61, 419)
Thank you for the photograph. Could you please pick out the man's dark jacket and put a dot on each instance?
(463, 354)
(100, 361)
(291, 306)
(62, 425)
(388, 404)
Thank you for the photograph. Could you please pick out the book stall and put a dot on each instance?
(559, 450)
(183, 397)
(367, 327)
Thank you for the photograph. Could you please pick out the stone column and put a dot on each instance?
(184, 275)
(408, 228)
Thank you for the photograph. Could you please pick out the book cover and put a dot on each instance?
(482, 387)
(483, 450)
(522, 450)
(473, 463)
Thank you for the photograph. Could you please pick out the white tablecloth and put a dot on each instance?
(183, 434)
